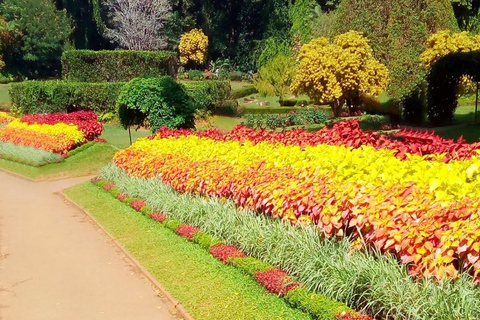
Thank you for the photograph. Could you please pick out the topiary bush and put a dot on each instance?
(64, 96)
(161, 101)
(116, 65)
(208, 95)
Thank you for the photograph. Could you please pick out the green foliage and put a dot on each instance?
(372, 105)
(275, 76)
(249, 265)
(443, 81)
(172, 224)
(321, 307)
(117, 65)
(115, 192)
(81, 148)
(301, 15)
(208, 95)
(272, 48)
(243, 92)
(397, 30)
(35, 36)
(305, 116)
(162, 101)
(27, 155)
(146, 210)
(195, 75)
(62, 96)
(467, 14)
(206, 240)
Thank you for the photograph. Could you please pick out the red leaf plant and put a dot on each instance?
(187, 231)
(276, 281)
(223, 252)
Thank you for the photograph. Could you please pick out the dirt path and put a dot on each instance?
(55, 264)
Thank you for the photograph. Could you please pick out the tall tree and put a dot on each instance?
(467, 14)
(397, 30)
(35, 36)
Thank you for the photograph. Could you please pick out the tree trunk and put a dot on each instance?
(337, 109)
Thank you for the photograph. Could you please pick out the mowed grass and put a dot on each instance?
(208, 289)
(118, 137)
(87, 162)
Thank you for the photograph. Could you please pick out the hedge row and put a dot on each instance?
(243, 92)
(65, 96)
(117, 65)
(207, 95)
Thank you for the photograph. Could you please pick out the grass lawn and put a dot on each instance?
(207, 288)
(118, 137)
(240, 84)
(87, 162)
(222, 123)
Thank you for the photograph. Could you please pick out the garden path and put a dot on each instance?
(56, 264)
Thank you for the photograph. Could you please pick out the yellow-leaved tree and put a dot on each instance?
(193, 47)
(445, 42)
(339, 72)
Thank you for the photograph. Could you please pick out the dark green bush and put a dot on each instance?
(288, 102)
(250, 265)
(116, 65)
(209, 94)
(305, 116)
(243, 92)
(371, 105)
(206, 240)
(246, 109)
(62, 96)
(162, 101)
(443, 82)
(317, 305)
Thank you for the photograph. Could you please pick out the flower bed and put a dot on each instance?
(5, 118)
(58, 133)
(424, 212)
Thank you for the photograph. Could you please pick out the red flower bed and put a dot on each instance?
(187, 231)
(223, 252)
(86, 121)
(137, 204)
(349, 134)
(352, 316)
(108, 186)
(122, 196)
(276, 281)
(160, 217)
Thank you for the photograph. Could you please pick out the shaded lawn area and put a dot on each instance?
(4, 96)
(87, 162)
(207, 288)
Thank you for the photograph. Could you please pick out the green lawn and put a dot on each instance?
(118, 137)
(240, 84)
(207, 288)
(87, 162)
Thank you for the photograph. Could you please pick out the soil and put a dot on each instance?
(56, 264)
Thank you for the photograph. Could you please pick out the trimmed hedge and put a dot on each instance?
(244, 92)
(64, 96)
(117, 65)
(209, 94)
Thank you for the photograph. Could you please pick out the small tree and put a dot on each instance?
(193, 46)
(138, 24)
(275, 77)
(338, 72)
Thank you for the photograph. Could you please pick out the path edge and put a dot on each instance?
(154, 282)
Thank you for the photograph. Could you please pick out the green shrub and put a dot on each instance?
(146, 210)
(172, 224)
(244, 110)
(208, 95)
(81, 148)
(206, 240)
(195, 75)
(116, 65)
(114, 191)
(250, 265)
(62, 96)
(243, 92)
(371, 105)
(162, 101)
(101, 183)
(319, 306)
(128, 200)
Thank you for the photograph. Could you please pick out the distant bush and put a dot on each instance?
(274, 121)
(243, 92)
(161, 101)
(208, 95)
(117, 65)
(64, 96)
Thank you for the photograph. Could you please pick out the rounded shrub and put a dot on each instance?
(161, 101)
